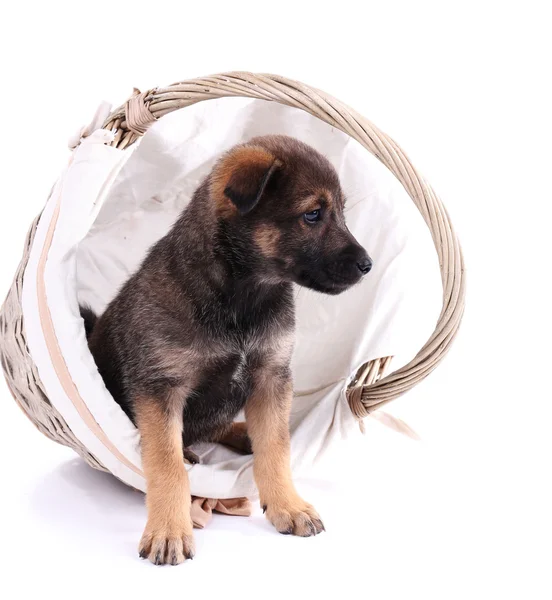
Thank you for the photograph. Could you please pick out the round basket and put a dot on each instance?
(371, 388)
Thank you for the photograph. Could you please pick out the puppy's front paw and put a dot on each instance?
(296, 517)
(167, 545)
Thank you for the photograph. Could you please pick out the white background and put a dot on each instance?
(465, 90)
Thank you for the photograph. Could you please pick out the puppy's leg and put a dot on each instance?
(267, 414)
(168, 537)
(236, 437)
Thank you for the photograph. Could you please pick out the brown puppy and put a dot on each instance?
(205, 328)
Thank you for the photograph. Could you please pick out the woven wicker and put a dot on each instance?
(370, 388)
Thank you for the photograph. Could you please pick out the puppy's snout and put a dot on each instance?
(365, 264)
(359, 258)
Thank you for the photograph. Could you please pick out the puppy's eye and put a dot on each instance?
(312, 216)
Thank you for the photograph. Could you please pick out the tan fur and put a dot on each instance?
(277, 349)
(168, 536)
(248, 158)
(177, 362)
(267, 238)
(312, 202)
(267, 413)
(236, 437)
(185, 363)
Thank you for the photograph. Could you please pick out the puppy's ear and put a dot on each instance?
(241, 176)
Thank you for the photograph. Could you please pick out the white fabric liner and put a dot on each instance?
(391, 313)
(80, 191)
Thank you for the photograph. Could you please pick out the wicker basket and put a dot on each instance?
(371, 388)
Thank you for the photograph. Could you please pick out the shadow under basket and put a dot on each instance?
(38, 327)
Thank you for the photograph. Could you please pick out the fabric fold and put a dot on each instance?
(203, 508)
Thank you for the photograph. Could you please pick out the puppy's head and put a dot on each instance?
(285, 199)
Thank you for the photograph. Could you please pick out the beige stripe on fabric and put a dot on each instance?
(56, 355)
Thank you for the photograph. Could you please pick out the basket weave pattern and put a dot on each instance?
(21, 372)
(370, 388)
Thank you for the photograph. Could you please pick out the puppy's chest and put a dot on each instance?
(225, 385)
(244, 355)
(233, 356)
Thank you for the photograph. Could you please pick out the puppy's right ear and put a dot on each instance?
(240, 178)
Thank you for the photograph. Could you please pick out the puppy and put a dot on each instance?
(205, 328)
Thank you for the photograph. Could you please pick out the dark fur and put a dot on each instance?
(214, 296)
(89, 318)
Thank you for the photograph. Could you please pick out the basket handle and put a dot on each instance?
(132, 119)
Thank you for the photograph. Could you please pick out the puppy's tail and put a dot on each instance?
(90, 318)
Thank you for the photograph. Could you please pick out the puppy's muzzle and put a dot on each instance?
(354, 262)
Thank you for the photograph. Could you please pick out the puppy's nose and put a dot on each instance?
(365, 265)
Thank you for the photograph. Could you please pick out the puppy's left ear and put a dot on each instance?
(242, 176)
